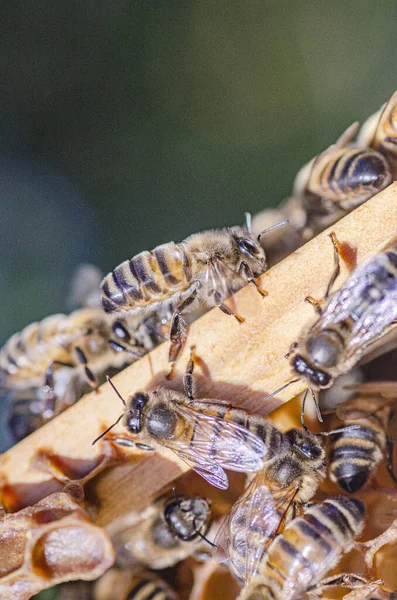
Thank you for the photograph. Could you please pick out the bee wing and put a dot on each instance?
(387, 389)
(214, 474)
(251, 525)
(371, 322)
(223, 443)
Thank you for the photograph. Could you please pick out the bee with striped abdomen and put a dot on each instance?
(380, 133)
(294, 469)
(48, 365)
(209, 435)
(297, 560)
(335, 182)
(165, 533)
(355, 454)
(127, 584)
(207, 267)
(353, 318)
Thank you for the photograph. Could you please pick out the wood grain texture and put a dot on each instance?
(238, 363)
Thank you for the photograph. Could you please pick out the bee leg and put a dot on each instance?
(224, 308)
(188, 381)
(348, 580)
(336, 271)
(315, 304)
(178, 331)
(92, 380)
(49, 383)
(246, 273)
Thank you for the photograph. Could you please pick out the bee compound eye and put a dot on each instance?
(249, 246)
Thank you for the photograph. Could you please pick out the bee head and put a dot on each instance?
(317, 378)
(187, 516)
(307, 444)
(251, 252)
(133, 419)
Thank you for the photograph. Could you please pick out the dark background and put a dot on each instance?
(127, 124)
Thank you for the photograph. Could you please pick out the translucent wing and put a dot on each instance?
(222, 442)
(251, 525)
(387, 389)
(217, 444)
(369, 298)
(214, 474)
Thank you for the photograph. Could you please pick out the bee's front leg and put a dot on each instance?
(178, 331)
(246, 273)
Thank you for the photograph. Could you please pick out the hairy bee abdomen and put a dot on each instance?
(312, 545)
(24, 352)
(350, 176)
(150, 589)
(354, 454)
(147, 278)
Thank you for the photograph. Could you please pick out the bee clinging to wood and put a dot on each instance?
(207, 267)
(294, 469)
(335, 182)
(165, 533)
(209, 435)
(353, 318)
(298, 559)
(355, 454)
(380, 133)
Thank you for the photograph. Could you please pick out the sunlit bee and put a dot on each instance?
(295, 468)
(128, 584)
(355, 454)
(353, 318)
(165, 533)
(206, 267)
(335, 182)
(65, 352)
(380, 133)
(298, 559)
(209, 435)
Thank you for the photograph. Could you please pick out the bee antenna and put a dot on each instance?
(176, 497)
(339, 430)
(280, 389)
(202, 536)
(108, 429)
(116, 390)
(272, 227)
(248, 221)
(316, 406)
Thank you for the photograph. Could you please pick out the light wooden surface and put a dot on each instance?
(238, 363)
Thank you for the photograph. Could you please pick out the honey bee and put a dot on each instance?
(294, 469)
(297, 560)
(354, 317)
(207, 267)
(380, 133)
(209, 435)
(335, 182)
(354, 455)
(127, 584)
(165, 533)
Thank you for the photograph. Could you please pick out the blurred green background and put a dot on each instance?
(127, 124)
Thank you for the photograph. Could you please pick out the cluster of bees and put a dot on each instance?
(277, 543)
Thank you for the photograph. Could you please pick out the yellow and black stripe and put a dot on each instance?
(147, 278)
(310, 546)
(350, 173)
(149, 588)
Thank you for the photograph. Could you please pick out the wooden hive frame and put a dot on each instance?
(238, 363)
